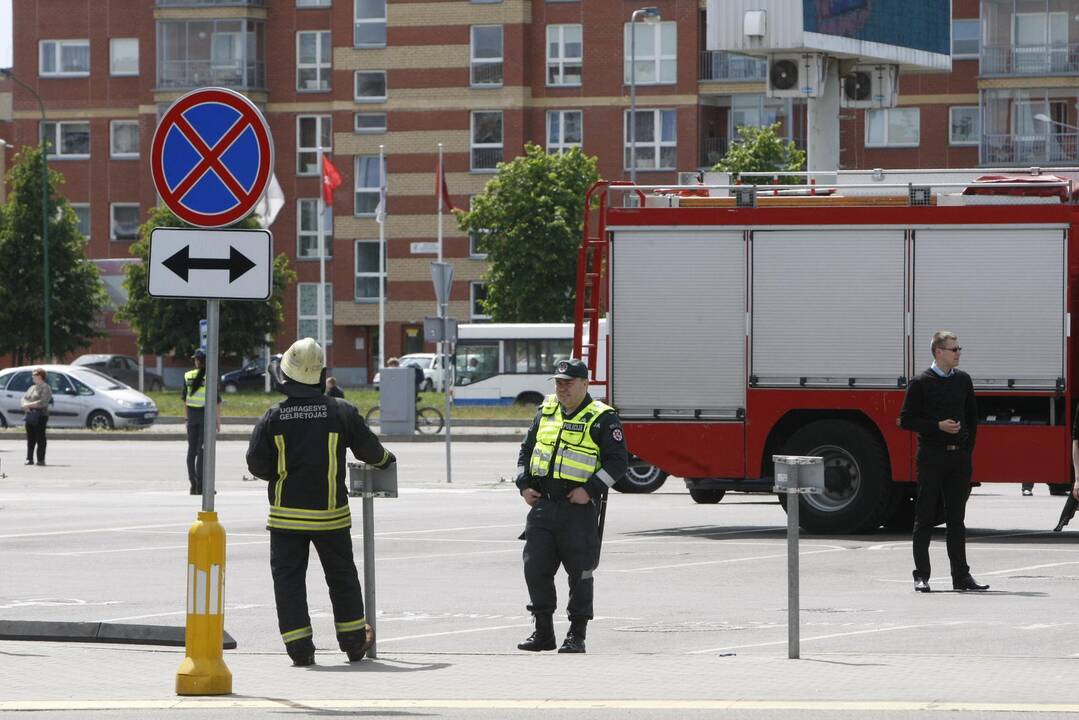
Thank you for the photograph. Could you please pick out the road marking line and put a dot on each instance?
(137, 549)
(455, 632)
(722, 562)
(829, 636)
(1029, 567)
(91, 530)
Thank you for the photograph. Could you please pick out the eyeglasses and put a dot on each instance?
(954, 349)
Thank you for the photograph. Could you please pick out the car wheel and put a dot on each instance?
(641, 478)
(528, 398)
(99, 420)
(231, 388)
(3, 421)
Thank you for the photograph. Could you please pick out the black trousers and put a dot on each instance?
(561, 533)
(288, 562)
(35, 437)
(195, 459)
(942, 475)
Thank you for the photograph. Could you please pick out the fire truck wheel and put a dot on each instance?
(706, 497)
(641, 477)
(858, 489)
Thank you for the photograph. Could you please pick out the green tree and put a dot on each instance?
(529, 218)
(76, 293)
(171, 326)
(760, 149)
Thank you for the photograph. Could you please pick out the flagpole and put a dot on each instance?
(444, 347)
(321, 251)
(382, 257)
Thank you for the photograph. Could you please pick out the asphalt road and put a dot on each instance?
(696, 591)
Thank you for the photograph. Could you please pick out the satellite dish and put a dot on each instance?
(858, 85)
(784, 74)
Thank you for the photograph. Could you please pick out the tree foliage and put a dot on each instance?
(760, 149)
(166, 327)
(76, 293)
(529, 218)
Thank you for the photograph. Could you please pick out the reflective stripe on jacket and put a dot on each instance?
(564, 448)
(194, 398)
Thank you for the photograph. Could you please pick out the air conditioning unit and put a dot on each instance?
(869, 86)
(796, 75)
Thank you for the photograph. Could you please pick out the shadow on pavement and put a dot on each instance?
(380, 666)
(324, 712)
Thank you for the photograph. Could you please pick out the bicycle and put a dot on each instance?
(429, 420)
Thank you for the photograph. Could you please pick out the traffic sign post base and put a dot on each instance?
(203, 670)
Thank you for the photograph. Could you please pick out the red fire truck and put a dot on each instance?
(746, 321)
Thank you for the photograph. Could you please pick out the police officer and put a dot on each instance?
(298, 446)
(573, 453)
(194, 399)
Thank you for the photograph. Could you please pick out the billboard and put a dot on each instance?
(915, 24)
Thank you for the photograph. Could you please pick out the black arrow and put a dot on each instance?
(182, 263)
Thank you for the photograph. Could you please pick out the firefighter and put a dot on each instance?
(194, 399)
(298, 446)
(573, 453)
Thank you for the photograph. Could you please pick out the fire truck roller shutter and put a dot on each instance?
(678, 325)
(1001, 290)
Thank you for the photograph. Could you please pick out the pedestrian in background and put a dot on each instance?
(1072, 502)
(296, 446)
(194, 399)
(332, 388)
(35, 403)
(941, 408)
(573, 453)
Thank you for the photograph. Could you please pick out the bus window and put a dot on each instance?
(536, 356)
(475, 362)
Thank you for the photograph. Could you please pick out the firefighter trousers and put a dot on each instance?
(566, 534)
(288, 562)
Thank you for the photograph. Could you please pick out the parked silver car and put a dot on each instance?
(81, 397)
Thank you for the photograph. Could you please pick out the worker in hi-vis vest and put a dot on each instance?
(194, 399)
(298, 446)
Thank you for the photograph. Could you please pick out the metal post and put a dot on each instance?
(209, 427)
(445, 345)
(369, 557)
(793, 649)
(633, 98)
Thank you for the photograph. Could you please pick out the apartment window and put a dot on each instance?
(486, 139)
(82, 213)
(477, 296)
(964, 126)
(313, 60)
(313, 3)
(124, 139)
(370, 86)
(200, 53)
(67, 139)
(64, 58)
(370, 23)
(307, 238)
(476, 237)
(367, 274)
(370, 123)
(367, 184)
(564, 55)
(486, 55)
(564, 129)
(656, 138)
(124, 221)
(656, 52)
(312, 132)
(965, 36)
(124, 56)
(307, 310)
(893, 127)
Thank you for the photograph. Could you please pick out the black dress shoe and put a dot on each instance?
(921, 585)
(572, 644)
(359, 652)
(40, 462)
(968, 584)
(29, 462)
(1059, 527)
(538, 641)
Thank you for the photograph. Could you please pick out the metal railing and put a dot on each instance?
(1030, 59)
(199, 73)
(212, 3)
(1056, 148)
(713, 150)
(486, 73)
(721, 66)
(486, 158)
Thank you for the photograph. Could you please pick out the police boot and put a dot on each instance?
(574, 642)
(302, 652)
(542, 638)
(359, 651)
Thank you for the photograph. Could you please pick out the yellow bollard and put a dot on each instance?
(203, 671)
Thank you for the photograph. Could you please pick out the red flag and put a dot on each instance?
(441, 189)
(331, 180)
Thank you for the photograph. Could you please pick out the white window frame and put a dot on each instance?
(663, 55)
(475, 63)
(966, 21)
(323, 70)
(313, 319)
(301, 4)
(369, 131)
(657, 143)
(562, 145)
(887, 143)
(303, 233)
(356, 97)
(976, 139)
(473, 145)
(472, 313)
(83, 206)
(55, 48)
(113, 43)
(365, 190)
(556, 35)
(320, 120)
(113, 207)
(113, 153)
(357, 22)
(369, 273)
(56, 137)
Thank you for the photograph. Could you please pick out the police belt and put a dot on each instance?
(556, 490)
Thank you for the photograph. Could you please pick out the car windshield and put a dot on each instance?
(420, 362)
(89, 360)
(97, 380)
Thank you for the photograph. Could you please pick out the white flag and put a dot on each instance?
(271, 203)
(380, 209)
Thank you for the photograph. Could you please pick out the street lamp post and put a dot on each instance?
(6, 72)
(651, 16)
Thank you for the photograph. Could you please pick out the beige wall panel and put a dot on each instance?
(418, 269)
(721, 88)
(1028, 82)
(957, 99)
(401, 57)
(351, 313)
(403, 143)
(210, 13)
(443, 13)
(397, 226)
(83, 114)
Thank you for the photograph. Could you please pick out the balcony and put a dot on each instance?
(183, 74)
(712, 150)
(720, 66)
(1053, 149)
(1030, 59)
(486, 74)
(486, 159)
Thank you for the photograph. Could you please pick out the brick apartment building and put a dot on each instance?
(482, 78)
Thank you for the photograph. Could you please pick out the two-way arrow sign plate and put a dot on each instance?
(211, 264)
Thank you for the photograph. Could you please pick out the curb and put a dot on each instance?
(98, 632)
(224, 437)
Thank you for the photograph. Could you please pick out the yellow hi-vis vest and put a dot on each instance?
(195, 399)
(564, 447)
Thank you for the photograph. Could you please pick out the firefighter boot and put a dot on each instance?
(301, 651)
(574, 642)
(359, 651)
(542, 638)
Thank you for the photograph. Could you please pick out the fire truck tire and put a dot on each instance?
(641, 478)
(858, 494)
(706, 496)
